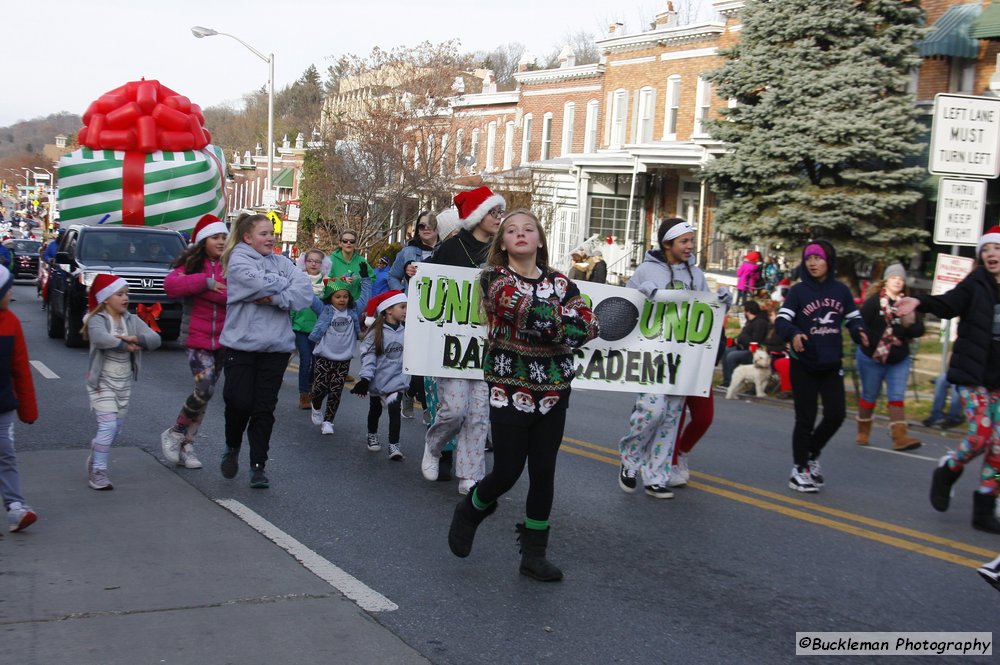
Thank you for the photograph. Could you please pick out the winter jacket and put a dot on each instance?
(461, 250)
(534, 326)
(655, 273)
(303, 320)
(341, 267)
(975, 360)
(101, 340)
(753, 331)
(415, 252)
(17, 389)
(871, 314)
(818, 310)
(747, 275)
(598, 270)
(251, 276)
(381, 281)
(384, 372)
(336, 332)
(204, 307)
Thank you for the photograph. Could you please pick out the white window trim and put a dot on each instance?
(670, 112)
(444, 154)
(590, 139)
(459, 135)
(619, 118)
(546, 152)
(569, 113)
(526, 123)
(491, 145)
(703, 100)
(645, 110)
(475, 147)
(508, 146)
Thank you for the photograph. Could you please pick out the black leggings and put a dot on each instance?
(251, 392)
(808, 438)
(535, 442)
(375, 412)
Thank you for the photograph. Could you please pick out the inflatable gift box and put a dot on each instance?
(147, 160)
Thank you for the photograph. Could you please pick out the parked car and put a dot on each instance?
(24, 258)
(140, 255)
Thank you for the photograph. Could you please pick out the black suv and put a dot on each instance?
(141, 255)
(24, 258)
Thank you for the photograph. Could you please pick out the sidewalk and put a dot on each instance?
(114, 578)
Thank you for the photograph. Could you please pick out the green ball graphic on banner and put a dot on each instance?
(617, 316)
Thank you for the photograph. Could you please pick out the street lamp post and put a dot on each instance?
(199, 32)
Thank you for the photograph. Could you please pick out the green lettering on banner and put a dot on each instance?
(675, 321)
(426, 311)
(700, 320)
(587, 299)
(456, 306)
(453, 301)
(651, 321)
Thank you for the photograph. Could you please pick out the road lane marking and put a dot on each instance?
(367, 598)
(43, 370)
(604, 454)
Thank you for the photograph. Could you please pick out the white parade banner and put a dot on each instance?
(666, 346)
(961, 208)
(965, 136)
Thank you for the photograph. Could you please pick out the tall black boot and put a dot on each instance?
(941, 483)
(533, 562)
(984, 513)
(464, 523)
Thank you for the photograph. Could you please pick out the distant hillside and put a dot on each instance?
(30, 135)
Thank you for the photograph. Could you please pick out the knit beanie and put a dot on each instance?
(814, 249)
(895, 270)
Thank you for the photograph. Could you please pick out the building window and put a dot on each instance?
(703, 104)
(546, 135)
(491, 145)
(406, 158)
(647, 101)
(673, 106)
(607, 218)
(475, 147)
(417, 156)
(444, 155)
(526, 138)
(508, 146)
(619, 116)
(430, 154)
(590, 127)
(459, 135)
(962, 77)
(569, 111)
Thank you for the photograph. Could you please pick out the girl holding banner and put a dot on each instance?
(536, 318)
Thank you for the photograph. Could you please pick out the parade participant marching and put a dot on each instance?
(649, 445)
(17, 398)
(303, 321)
(197, 278)
(811, 318)
(117, 338)
(536, 318)
(975, 369)
(419, 249)
(382, 368)
(262, 287)
(335, 337)
(348, 265)
(463, 409)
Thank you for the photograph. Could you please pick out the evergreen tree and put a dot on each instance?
(823, 134)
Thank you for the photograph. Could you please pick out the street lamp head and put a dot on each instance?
(199, 32)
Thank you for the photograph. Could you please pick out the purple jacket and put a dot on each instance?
(747, 276)
(204, 308)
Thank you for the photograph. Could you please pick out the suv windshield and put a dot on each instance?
(29, 246)
(130, 247)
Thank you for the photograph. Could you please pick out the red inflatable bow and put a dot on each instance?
(150, 314)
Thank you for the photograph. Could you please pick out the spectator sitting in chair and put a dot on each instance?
(754, 332)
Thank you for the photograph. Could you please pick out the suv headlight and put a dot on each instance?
(87, 278)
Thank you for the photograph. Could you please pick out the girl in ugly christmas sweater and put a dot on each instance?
(536, 318)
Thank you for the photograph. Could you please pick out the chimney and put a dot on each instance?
(667, 18)
(524, 62)
(566, 57)
(613, 28)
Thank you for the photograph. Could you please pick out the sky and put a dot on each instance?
(73, 51)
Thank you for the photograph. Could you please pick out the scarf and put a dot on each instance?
(888, 340)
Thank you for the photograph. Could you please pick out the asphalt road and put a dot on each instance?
(727, 572)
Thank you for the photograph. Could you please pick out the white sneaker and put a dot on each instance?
(465, 486)
(171, 442)
(20, 518)
(429, 465)
(395, 454)
(316, 415)
(680, 474)
(326, 427)
(801, 480)
(187, 458)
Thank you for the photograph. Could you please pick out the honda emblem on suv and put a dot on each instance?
(147, 282)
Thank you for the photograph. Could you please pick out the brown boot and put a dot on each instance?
(305, 402)
(864, 425)
(901, 440)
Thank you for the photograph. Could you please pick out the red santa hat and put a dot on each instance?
(993, 235)
(103, 287)
(208, 226)
(474, 204)
(382, 302)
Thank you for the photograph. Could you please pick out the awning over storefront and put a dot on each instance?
(987, 25)
(283, 178)
(950, 36)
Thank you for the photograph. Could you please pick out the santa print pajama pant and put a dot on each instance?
(534, 441)
(808, 386)
(328, 381)
(982, 412)
(463, 410)
(206, 367)
(649, 445)
(253, 380)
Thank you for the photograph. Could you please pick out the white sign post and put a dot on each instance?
(961, 207)
(949, 271)
(965, 136)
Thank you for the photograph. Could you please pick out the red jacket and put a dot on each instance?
(205, 308)
(17, 390)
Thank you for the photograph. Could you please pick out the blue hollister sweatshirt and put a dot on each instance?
(819, 309)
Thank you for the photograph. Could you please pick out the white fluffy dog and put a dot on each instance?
(757, 373)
